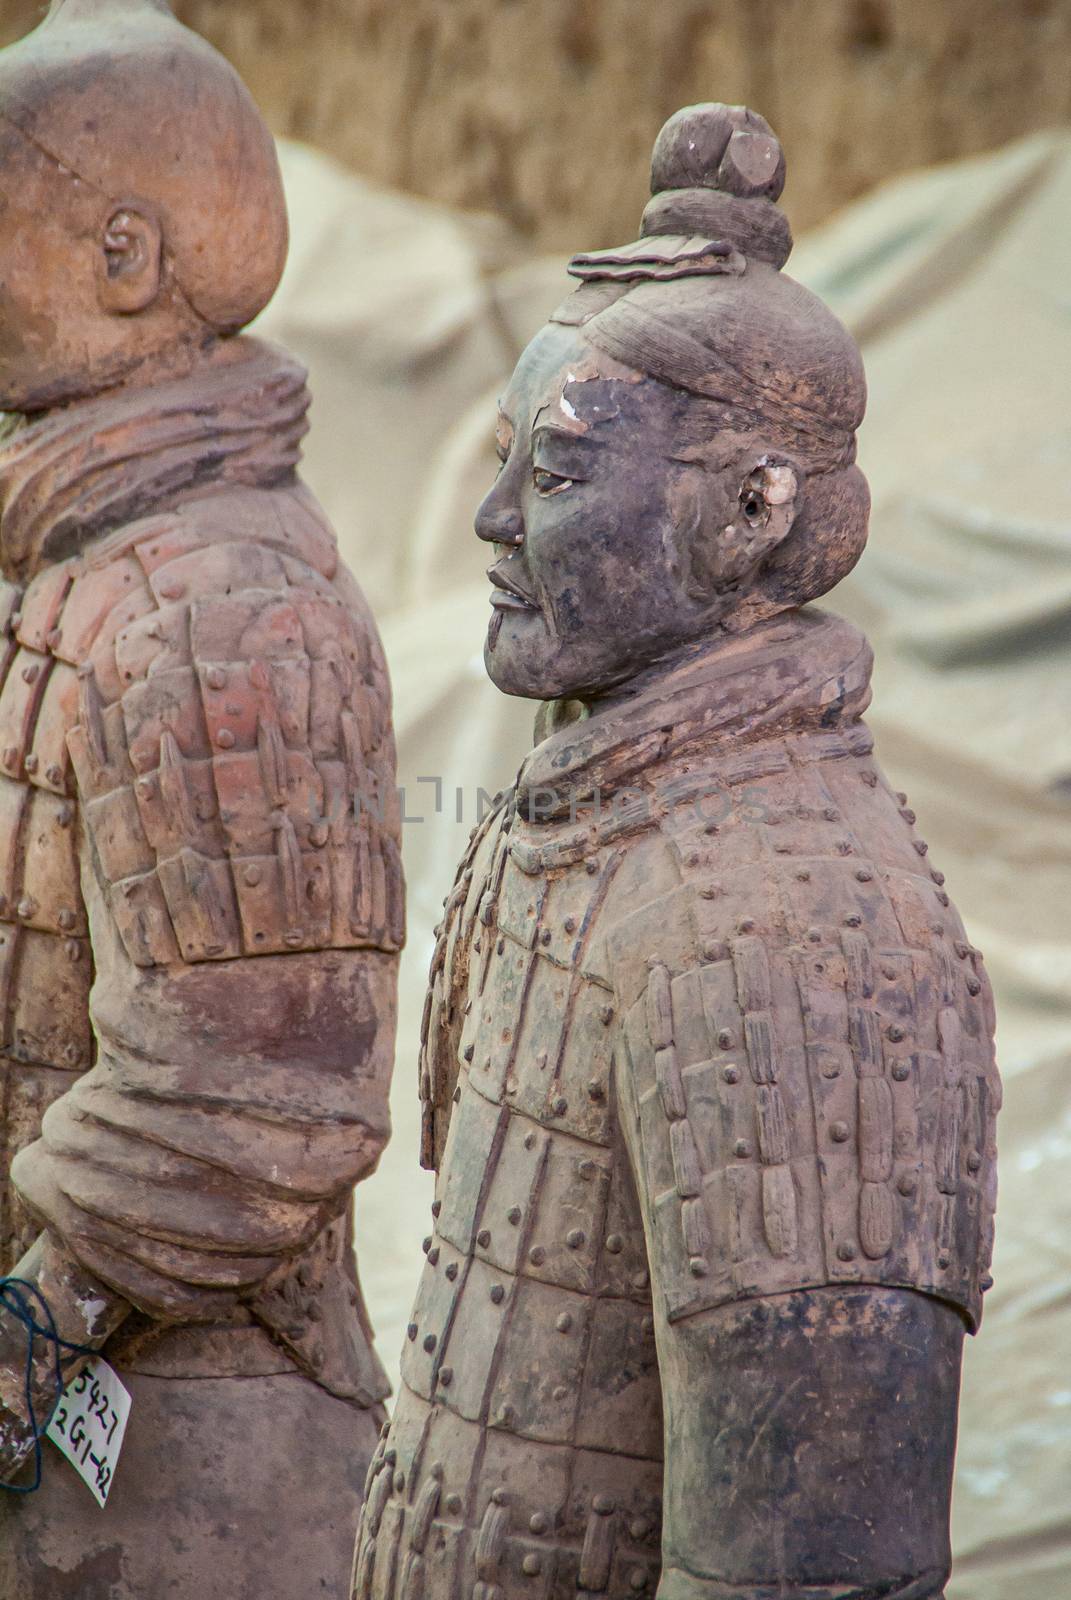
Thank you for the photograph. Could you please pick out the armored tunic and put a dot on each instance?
(703, 1028)
(200, 904)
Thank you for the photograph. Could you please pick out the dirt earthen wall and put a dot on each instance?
(544, 110)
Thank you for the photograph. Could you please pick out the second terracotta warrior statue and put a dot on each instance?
(708, 1065)
(200, 890)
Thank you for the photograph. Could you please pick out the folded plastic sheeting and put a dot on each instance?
(957, 283)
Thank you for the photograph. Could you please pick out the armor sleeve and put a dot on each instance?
(234, 762)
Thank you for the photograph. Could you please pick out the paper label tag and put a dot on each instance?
(89, 1423)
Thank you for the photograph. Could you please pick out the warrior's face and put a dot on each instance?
(617, 545)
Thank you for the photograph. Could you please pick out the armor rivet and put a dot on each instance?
(747, 925)
(453, 1504)
(710, 827)
(544, 937)
(73, 950)
(27, 906)
(251, 876)
(483, 1238)
(146, 788)
(908, 1183)
(803, 875)
(985, 1282)
(603, 1505)
(216, 677)
(446, 1376)
(938, 877)
(469, 1051)
(436, 1207)
(831, 814)
(559, 1392)
(639, 1527)
(390, 1456)
(710, 952)
(66, 919)
(529, 1140)
(575, 1238)
(708, 892)
(854, 920)
(433, 1256)
(725, 1039)
(894, 1032)
(864, 874)
(742, 1149)
(615, 1244)
(30, 672)
(901, 1071)
(500, 946)
(921, 846)
(838, 1132)
(531, 1564)
(11, 756)
(71, 1053)
(411, 1331)
(31, 762)
(639, 1279)
(451, 1270)
(171, 590)
(425, 1244)
(814, 935)
(537, 1255)
(943, 1259)
(319, 834)
(846, 1252)
(513, 1215)
(294, 937)
(595, 1089)
(430, 1342)
(497, 1294)
(586, 1169)
(591, 868)
(569, 924)
(942, 898)
(560, 1107)
(974, 986)
(537, 1522)
(225, 738)
(606, 1015)
(564, 1322)
(731, 1075)
(638, 1577)
(399, 1481)
(692, 858)
(974, 1161)
(697, 1267)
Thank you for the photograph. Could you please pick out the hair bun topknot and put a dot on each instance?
(717, 171)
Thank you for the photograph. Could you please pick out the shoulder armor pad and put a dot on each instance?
(234, 754)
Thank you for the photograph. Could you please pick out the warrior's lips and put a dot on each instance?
(508, 595)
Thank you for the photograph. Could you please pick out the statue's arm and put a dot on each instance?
(240, 863)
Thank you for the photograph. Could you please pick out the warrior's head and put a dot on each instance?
(678, 442)
(141, 207)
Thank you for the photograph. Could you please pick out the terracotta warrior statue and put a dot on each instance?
(708, 1065)
(200, 892)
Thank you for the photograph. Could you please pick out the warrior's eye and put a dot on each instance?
(548, 483)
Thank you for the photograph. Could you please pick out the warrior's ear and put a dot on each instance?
(767, 504)
(129, 261)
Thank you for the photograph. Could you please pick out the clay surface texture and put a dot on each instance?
(201, 900)
(707, 1069)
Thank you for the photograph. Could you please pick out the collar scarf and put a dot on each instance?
(81, 471)
(805, 671)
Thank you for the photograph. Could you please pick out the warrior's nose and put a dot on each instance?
(501, 524)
